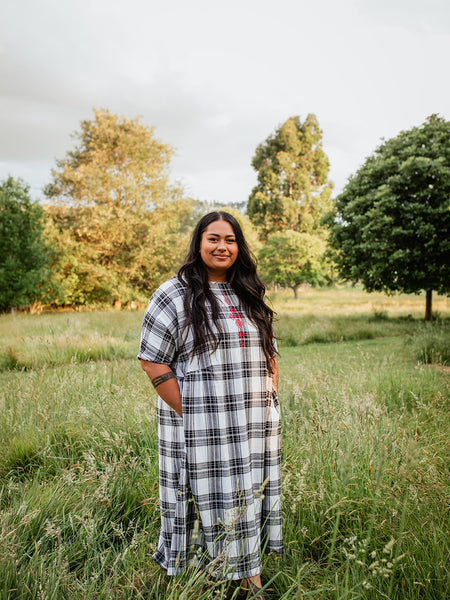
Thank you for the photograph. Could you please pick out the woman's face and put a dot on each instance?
(218, 249)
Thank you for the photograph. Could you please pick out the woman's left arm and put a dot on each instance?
(275, 373)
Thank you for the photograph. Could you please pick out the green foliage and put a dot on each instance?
(24, 257)
(119, 228)
(290, 258)
(293, 190)
(391, 226)
(103, 259)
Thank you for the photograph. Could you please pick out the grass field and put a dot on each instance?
(365, 465)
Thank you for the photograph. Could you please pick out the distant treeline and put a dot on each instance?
(112, 225)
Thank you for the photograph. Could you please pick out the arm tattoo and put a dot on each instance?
(162, 378)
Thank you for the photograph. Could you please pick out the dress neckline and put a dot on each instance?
(219, 285)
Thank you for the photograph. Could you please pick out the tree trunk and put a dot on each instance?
(428, 311)
(295, 288)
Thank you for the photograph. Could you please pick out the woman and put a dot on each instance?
(208, 348)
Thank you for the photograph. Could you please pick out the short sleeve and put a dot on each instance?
(159, 336)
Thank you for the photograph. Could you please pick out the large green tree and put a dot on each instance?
(293, 191)
(391, 225)
(290, 258)
(120, 220)
(24, 258)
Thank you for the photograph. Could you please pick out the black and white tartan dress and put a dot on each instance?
(219, 464)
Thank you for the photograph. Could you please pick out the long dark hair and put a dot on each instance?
(242, 277)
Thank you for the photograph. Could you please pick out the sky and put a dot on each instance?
(215, 79)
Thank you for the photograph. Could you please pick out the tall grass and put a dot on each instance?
(366, 475)
(32, 341)
(365, 463)
(431, 343)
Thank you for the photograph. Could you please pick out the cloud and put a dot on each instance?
(216, 79)
(420, 16)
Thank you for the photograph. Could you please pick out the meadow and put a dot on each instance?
(365, 461)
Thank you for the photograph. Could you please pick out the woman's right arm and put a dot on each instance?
(165, 383)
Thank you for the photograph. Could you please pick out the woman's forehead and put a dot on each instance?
(220, 228)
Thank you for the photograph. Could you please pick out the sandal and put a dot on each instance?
(254, 592)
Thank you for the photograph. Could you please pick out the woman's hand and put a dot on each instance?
(165, 383)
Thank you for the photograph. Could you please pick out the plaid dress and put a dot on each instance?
(219, 464)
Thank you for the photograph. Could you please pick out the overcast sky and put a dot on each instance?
(216, 78)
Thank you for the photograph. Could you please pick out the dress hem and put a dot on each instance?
(232, 574)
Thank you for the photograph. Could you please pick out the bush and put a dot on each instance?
(431, 344)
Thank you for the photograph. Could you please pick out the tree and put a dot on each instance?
(118, 164)
(291, 258)
(121, 220)
(24, 273)
(391, 225)
(293, 190)
(149, 254)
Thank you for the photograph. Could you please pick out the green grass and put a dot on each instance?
(431, 343)
(32, 341)
(320, 315)
(365, 457)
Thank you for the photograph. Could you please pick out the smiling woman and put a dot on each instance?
(208, 347)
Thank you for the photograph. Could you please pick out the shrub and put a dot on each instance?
(432, 343)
